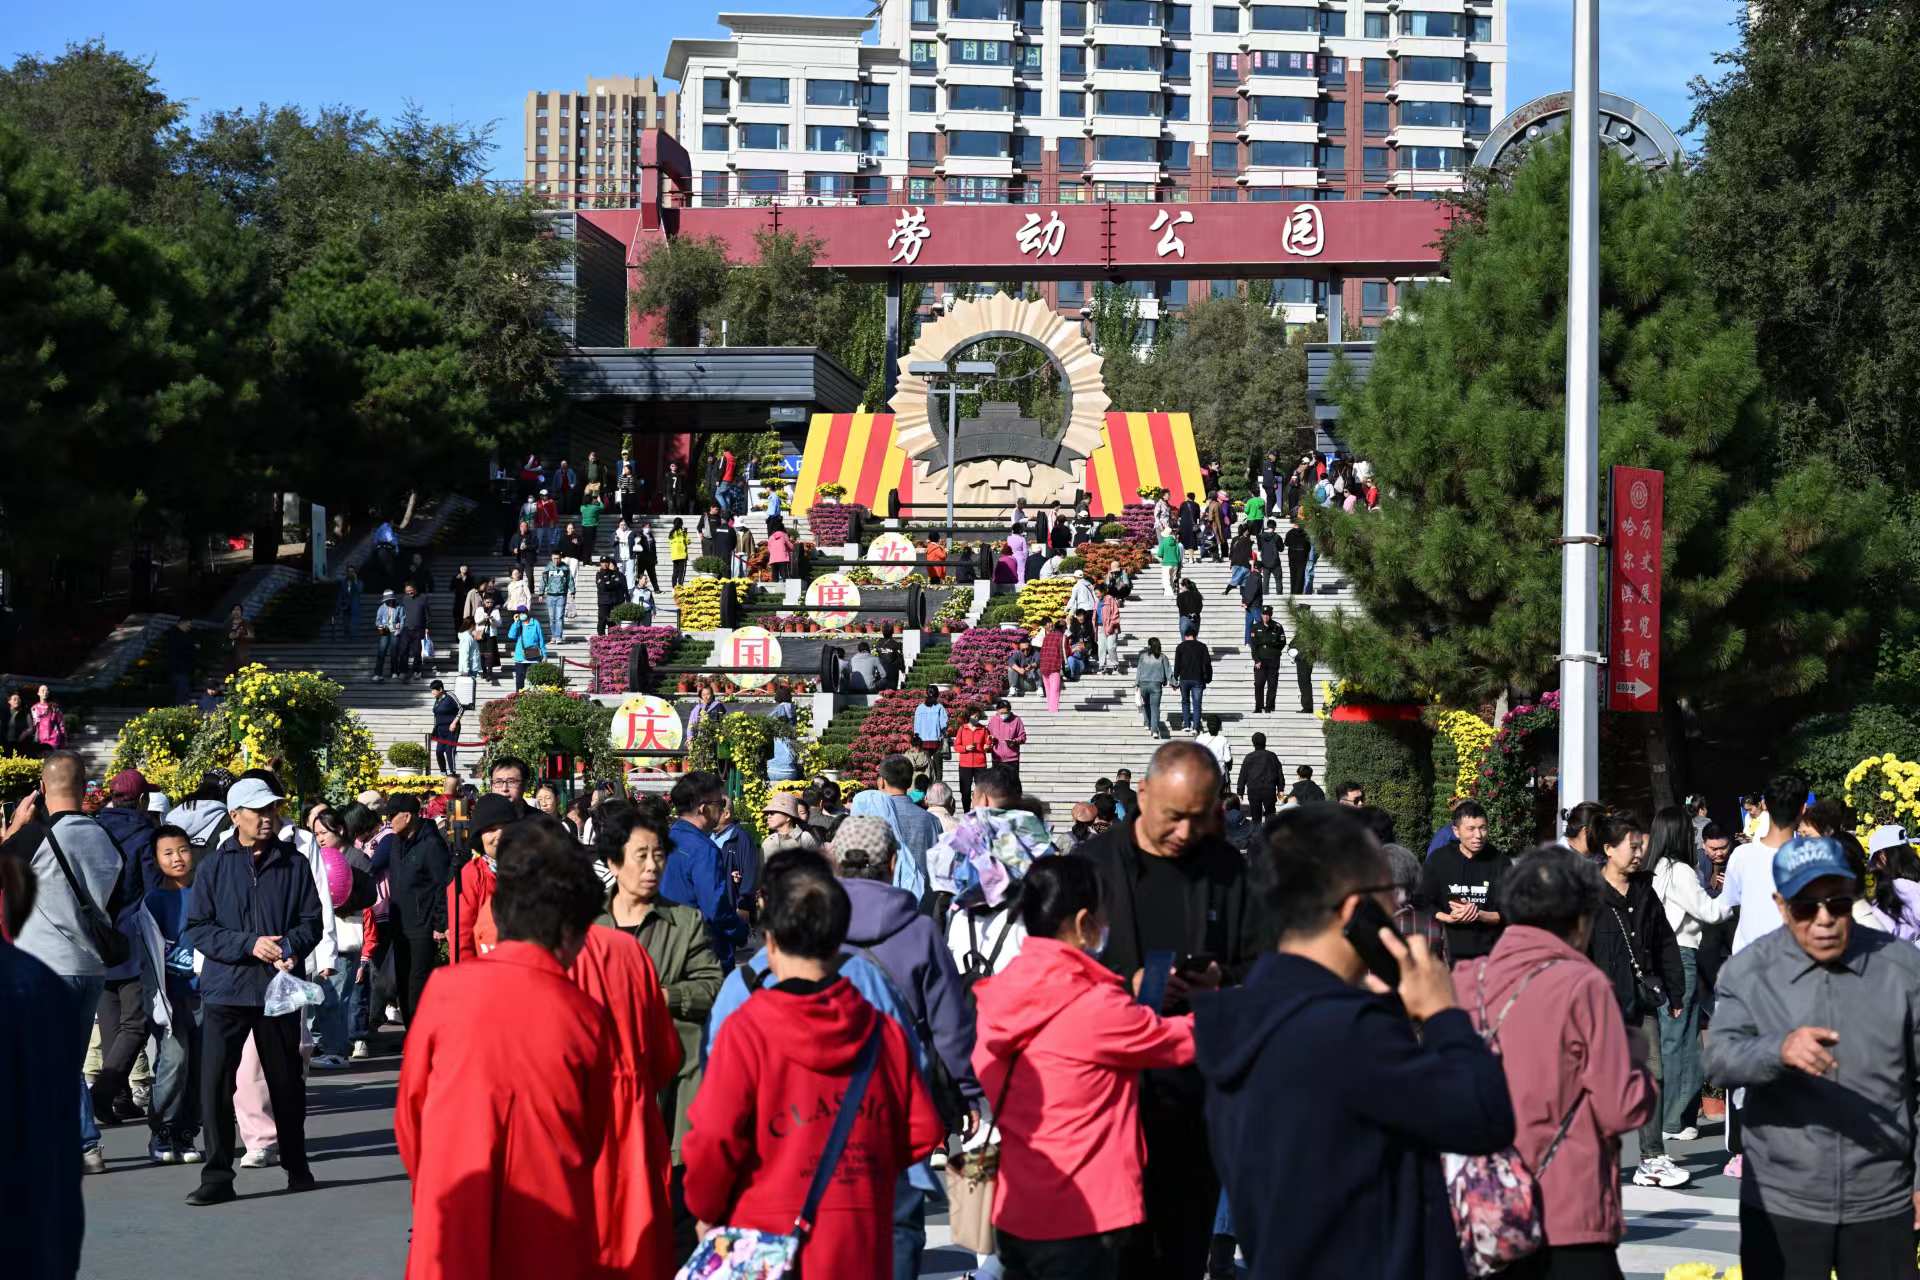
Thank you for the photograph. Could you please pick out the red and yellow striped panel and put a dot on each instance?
(1142, 451)
(856, 450)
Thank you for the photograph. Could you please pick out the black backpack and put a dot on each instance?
(975, 966)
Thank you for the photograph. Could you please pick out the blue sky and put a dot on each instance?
(475, 60)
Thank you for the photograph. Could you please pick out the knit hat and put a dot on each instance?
(128, 784)
(863, 840)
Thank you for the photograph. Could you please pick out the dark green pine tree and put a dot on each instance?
(1770, 579)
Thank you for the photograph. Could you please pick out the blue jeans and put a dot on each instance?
(383, 656)
(1253, 620)
(556, 618)
(1313, 558)
(1238, 576)
(1150, 707)
(175, 1112)
(87, 992)
(330, 1019)
(909, 1229)
(1192, 693)
(1680, 1053)
(358, 997)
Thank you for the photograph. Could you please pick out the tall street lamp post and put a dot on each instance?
(935, 371)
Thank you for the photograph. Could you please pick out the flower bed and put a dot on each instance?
(1138, 517)
(536, 724)
(952, 614)
(760, 568)
(1098, 558)
(980, 657)
(1884, 789)
(611, 651)
(699, 602)
(831, 523)
(1044, 600)
(1505, 784)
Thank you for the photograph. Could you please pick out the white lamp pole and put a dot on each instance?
(1580, 551)
(933, 369)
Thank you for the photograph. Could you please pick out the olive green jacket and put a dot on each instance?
(675, 939)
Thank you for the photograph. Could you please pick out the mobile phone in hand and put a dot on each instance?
(1363, 931)
(1156, 967)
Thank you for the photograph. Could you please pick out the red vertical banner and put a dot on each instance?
(1636, 502)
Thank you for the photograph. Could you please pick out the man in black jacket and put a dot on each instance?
(1193, 668)
(1188, 601)
(413, 629)
(1260, 777)
(1270, 553)
(1177, 894)
(1297, 548)
(417, 878)
(1268, 644)
(253, 911)
(1461, 883)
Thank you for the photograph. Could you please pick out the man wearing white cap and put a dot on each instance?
(254, 912)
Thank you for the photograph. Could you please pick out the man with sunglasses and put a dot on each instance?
(1820, 1021)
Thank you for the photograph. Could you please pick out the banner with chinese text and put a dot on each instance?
(1637, 497)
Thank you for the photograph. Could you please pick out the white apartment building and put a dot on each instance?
(1066, 101)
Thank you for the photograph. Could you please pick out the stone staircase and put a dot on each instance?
(1098, 727)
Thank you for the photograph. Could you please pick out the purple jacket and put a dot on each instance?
(1907, 927)
(888, 927)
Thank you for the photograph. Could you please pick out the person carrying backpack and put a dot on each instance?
(529, 644)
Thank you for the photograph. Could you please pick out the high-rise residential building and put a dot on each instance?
(1071, 101)
(582, 146)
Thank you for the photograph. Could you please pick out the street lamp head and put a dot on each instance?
(985, 368)
(928, 368)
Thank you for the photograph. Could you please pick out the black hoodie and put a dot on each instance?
(1636, 916)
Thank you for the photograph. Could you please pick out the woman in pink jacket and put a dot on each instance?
(1576, 1084)
(1061, 1044)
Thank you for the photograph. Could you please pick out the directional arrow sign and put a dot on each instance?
(1633, 688)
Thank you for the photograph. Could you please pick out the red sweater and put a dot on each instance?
(772, 1087)
(970, 746)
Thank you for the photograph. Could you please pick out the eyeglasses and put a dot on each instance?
(1839, 907)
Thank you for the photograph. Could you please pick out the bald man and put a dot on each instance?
(1176, 893)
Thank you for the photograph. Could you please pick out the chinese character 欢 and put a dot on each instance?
(1042, 240)
(1169, 242)
(910, 231)
(1305, 234)
(894, 551)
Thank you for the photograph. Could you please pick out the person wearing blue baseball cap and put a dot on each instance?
(1820, 1022)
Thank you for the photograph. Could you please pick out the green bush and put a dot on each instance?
(1446, 766)
(838, 755)
(546, 675)
(1004, 608)
(1825, 747)
(1111, 531)
(626, 613)
(710, 564)
(1393, 760)
(408, 755)
(1071, 564)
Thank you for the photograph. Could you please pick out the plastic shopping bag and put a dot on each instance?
(288, 994)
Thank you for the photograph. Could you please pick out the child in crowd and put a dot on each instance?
(173, 996)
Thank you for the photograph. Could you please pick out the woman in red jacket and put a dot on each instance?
(971, 746)
(773, 1085)
(1060, 1050)
(1053, 660)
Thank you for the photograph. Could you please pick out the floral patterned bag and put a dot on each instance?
(1496, 1198)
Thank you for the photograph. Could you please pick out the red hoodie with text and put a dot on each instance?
(773, 1085)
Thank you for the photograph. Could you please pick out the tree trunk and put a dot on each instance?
(1664, 765)
(266, 530)
(406, 517)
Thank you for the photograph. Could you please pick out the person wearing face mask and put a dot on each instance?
(972, 745)
(1060, 1050)
(1634, 946)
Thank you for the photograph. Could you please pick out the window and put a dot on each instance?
(1284, 17)
(1073, 293)
(1482, 28)
(1075, 194)
(1226, 68)
(1226, 19)
(1226, 111)
(1333, 22)
(763, 90)
(979, 97)
(1436, 70)
(1331, 157)
(1225, 157)
(996, 53)
(713, 94)
(829, 184)
(1073, 15)
(1179, 19)
(1122, 193)
(762, 182)
(1433, 159)
(1179, 106)
(1373, 297)
(1430, 115)
(1332, 116)
(921, 55)
(1281, 195)
(832, 137)
(1447, 26)
(763, 137)
(1027, 57)
(977, 190)
(1073, 153)
(1027, 102)
(1295, 154)
(1276, 110)
(1378, 75)
(873, 99)
(1073, 103)
(1033, 14)
(1179, 64)
(1127, 102)
(1026, 149)
(1297, 290)
(541, 151)
(1176, 155)
(1222, 288)
(1023, 193)
(1224, 195)
(1127, 57)
(1375, 163)
(832, 93)
(967, 142)
(1271, 62)
(1128, 13)
(981, 10)
(1479, 76)
(1373, 118)
(925, 12)
(873, 142)
(713, 188)
(920, 190)
(1073, 60)
(920, 147)
(1479, 119)
(713, 137)
(920, 98)
(1132, 150)
(1376, 26)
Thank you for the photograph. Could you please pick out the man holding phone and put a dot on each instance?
(1182, 919)
(1460, 884)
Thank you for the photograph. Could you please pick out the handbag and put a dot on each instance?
(1649, 997)
(744, 1253)
(1495, 1199)
(113, 946)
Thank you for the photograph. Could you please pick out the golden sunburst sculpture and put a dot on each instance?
(976, 318)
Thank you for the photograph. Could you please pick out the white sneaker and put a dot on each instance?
(328, 1062)
(393, 1014)
(1688, 1134)
(1658, 1171)
(360, 1050)
(262, 1158)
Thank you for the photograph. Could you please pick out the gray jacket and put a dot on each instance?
(1150, 672)
(1838, 1148)
(53, 934)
